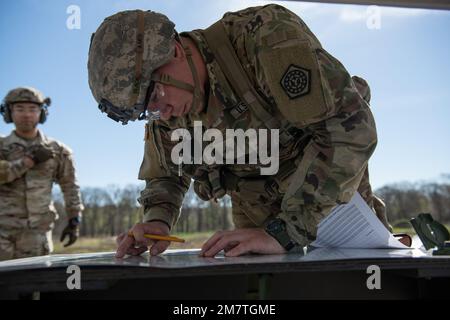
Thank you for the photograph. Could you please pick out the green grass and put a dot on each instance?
(411, 230)
(88, 245)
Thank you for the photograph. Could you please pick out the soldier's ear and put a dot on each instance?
(179, 53)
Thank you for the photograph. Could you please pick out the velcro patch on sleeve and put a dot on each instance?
(154, 164)
(294, 80)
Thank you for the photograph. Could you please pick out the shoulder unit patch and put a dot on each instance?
(296, 81)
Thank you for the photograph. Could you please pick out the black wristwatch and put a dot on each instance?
(277, 229)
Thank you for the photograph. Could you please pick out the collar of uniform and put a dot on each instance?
(14, 138)
(212, 116)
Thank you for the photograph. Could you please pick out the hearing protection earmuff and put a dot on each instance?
(5, 110)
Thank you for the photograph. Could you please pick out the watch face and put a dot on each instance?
(275, 226)
(277, 229)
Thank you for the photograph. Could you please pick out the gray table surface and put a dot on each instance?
(183, 259)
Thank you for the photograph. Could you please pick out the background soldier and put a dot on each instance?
(256, 68)
(29, 164)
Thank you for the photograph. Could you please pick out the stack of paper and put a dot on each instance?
(354, 225)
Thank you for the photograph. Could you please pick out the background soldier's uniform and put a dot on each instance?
(330, 128)
(27, 214)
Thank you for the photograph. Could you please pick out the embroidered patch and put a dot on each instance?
(296, 81)
(239, 109)
(287, 82)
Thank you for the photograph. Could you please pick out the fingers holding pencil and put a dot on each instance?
(136, 242)
(159, 237)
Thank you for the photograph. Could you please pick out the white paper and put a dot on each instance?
(354, 225)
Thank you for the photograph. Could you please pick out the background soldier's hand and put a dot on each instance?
(137, 244)
(72, 230)
(29, 163)
(40, 153)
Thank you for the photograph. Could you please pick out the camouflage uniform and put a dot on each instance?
(27, 213)
(323, 115)
(334, 138)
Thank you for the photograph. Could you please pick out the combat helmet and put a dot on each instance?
(124, 52)
(24, 94)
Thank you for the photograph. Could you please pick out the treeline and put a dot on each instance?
(405, 201)
(109, 211)
(112, 210)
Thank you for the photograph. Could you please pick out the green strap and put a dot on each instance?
(4, 166)
(166, 79)
(300, 174)
(195, 89)
(225, 55)
(216, 184)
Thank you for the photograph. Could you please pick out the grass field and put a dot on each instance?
(87, 245)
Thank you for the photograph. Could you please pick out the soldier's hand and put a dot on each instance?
(28, 161)
(40, 153)
(241, 241)
(72, 230)
(137, 244)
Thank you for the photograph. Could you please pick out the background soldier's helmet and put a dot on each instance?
(124, 52)
(24, 94)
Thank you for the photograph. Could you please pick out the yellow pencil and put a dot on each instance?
(158, 237)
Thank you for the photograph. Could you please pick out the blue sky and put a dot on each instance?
(406, 61)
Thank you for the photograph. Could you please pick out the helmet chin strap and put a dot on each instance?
(194, 89)
(198, 96)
